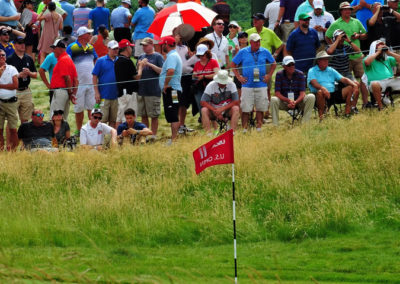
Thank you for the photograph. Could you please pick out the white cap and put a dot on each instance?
(83, 30)
(318, 4)
(113, 44)
(127, 2)
(234, 23)
(287, 60)
(83, 1)
(201, 49)
(254, 37)
(159, 4)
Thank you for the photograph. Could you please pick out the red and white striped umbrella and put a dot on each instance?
(190, 13)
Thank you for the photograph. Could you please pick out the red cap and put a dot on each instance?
(124, 43)
(167, 40)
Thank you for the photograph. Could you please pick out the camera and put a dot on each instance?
(385, 49)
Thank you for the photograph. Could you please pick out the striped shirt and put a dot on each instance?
(340, 59)
(83, 58)
(81, 17)
(284, 85)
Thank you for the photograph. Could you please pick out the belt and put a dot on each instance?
(10, 100)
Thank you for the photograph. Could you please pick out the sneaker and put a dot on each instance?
(354, 110)
(188, 129)
(182, 129)
(258, 129)
(244, 130)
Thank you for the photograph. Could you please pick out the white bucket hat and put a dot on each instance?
(222, 77)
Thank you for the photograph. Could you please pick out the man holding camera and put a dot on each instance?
(378, 68)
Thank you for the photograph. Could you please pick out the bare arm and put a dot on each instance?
(168, 77)
(42, 74)
(95, 81)
(12, 86)
(280, 15)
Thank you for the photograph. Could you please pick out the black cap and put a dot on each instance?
(58, 43)
(242, 34)
(4, 32)
(20, 40)
(58, 112)
(259, 16)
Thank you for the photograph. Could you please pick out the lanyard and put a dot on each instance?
(216, 41)
(255, 57)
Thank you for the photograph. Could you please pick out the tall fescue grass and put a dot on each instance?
(310, 181)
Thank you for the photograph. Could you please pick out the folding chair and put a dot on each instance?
(296, 114)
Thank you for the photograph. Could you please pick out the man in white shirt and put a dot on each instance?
(93, 132)
(221, 44)
(8, 100)
(320, 20)
(271, 13)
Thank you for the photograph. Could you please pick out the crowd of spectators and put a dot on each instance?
(109, 66)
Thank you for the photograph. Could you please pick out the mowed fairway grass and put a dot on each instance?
(316, 203)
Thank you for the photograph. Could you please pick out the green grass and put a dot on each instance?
(317, 203)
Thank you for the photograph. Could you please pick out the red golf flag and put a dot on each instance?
(216, 152)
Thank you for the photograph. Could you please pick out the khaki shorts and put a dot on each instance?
(84, 99)
(138, 48)
(286, 28)
(356, 66)
(110, 111)
(125, 102)
(254, 97)
(9, 112)
(149, 106)
(25, 104)
(60, 101)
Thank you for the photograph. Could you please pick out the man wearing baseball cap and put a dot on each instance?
(269, 39)
(84, 56)
(170, 83)
(120, 20)
(254, 79)
(105, 88)
(303, 43)
(320, 20)
(290, 92)
(125, 71)
(355, 31)
(64, 81)
(149, 95)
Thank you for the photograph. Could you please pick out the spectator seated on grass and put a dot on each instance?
(378, 69)
(290, 92)
(93, 132)
(131, 129)
(321, 81)
(61, 127)
(220, 101)
(36, 134)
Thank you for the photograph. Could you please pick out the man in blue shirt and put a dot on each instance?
(254, 79)
(363, 9)
(321, 81)
(141, 22)
(170, 83)
(9, 13)
(303, 43)
(132, 129)
(103, 73)
(120, 21)
(99, 16)
(69, 8)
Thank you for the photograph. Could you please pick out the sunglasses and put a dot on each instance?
(232, 27)
(219, 24)
(2, 55)
(96, 117)
(39, 115)
(290, 65)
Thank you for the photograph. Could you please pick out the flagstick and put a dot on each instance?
(234, 220)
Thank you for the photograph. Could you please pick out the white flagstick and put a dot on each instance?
(234, 220)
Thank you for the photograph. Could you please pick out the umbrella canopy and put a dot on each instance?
(190, 13)
(183, 1)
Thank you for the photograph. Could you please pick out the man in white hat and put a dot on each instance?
(378, 68)
(321, 81)
(320, 21)
(105, 87)
(84, 56)
(120, 21)
(220, 101)
(290, 92)
(254, 79)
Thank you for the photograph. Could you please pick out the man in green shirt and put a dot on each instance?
(269, 39)
(378, 68)
(356, 32)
